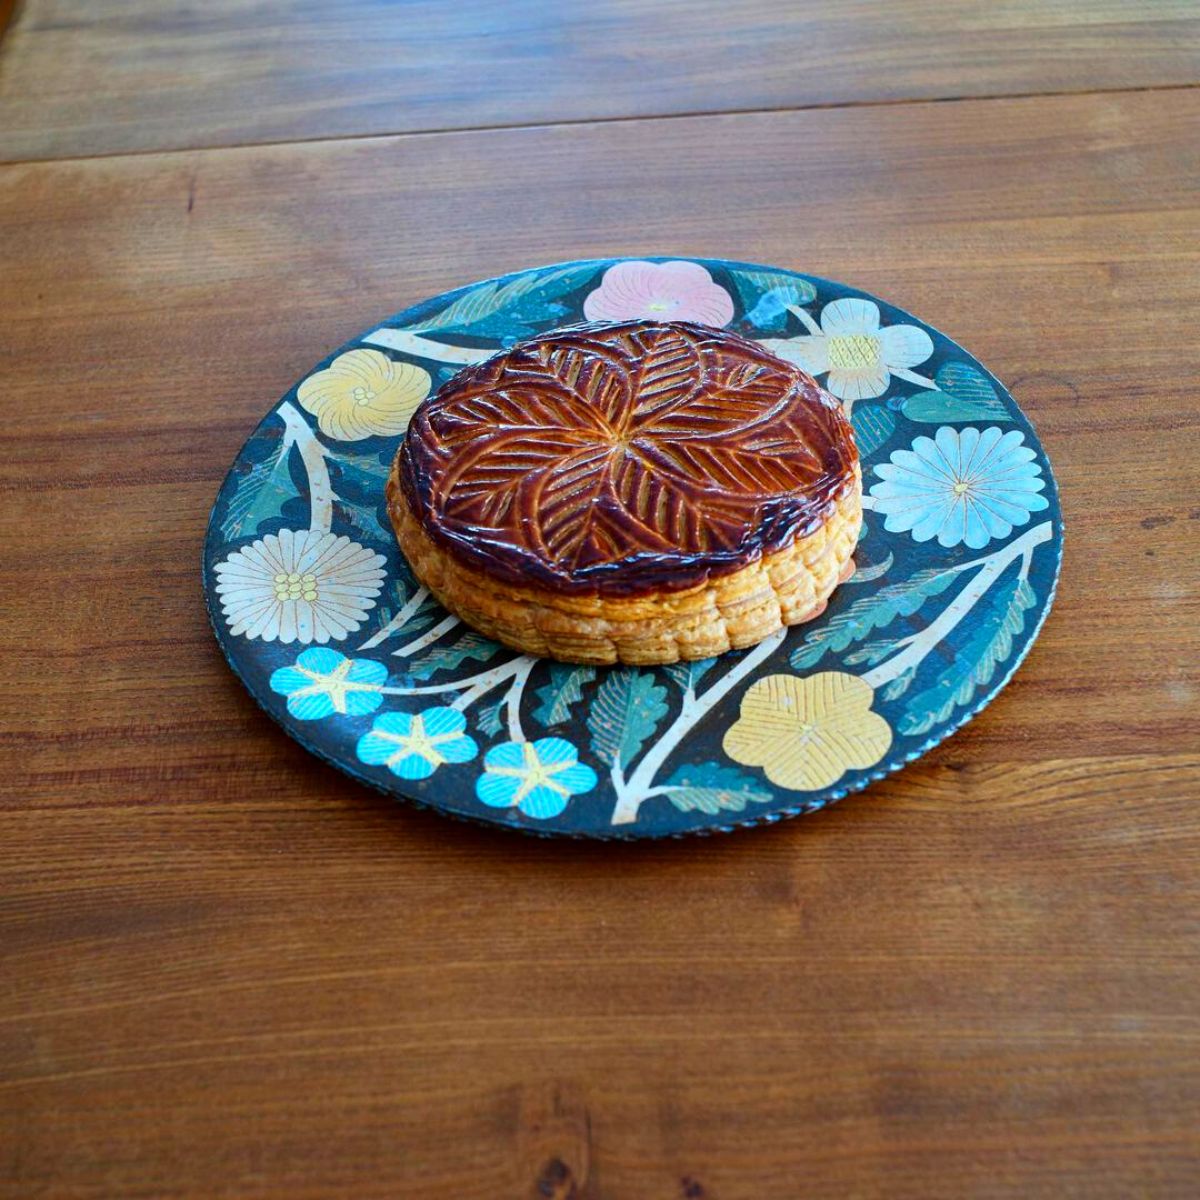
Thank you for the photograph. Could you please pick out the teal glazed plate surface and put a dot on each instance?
(322, 620)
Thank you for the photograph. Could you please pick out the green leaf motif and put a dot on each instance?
(364, 471)
(686, 675)
(712, 787)
(752, 285)
(963, 393)
(871, 653)
(537, 293)
(990, 645)
(362, 520)
(260, 494)
(899, 685)
(490, 723)
(564, 689)
(625, 714)
(871, 613)
(470, 647)
(872, 572)
(873, 425)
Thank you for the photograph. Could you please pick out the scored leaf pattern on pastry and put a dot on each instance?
(595, 446)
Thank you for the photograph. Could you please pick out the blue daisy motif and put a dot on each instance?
(414, 745)
(960, 486)
(322, 682)
(536, 777)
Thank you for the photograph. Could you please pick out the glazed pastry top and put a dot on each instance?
(625, 459)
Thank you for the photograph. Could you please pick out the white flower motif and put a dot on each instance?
(859, 356)
(303, 585)
(960, 486)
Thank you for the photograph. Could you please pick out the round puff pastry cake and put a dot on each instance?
(635, 492)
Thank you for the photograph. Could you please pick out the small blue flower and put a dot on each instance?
(322, 682)
(413, 746)
(960, 486)
(536, 777)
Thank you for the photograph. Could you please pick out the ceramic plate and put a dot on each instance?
(324, 623)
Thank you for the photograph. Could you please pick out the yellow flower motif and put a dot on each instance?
(806, 733)
(364, 393)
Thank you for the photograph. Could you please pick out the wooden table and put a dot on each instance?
(229, 971)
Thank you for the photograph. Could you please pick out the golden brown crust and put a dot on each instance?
(623, 460)
(733, 611)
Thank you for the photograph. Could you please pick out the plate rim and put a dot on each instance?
(499, 819)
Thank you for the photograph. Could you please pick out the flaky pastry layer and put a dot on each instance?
(731, 612)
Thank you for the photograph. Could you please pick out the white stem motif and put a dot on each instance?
(512, 699)
(398, 622)
(631, 794)
(617, 775)
(312, 453)
(479, 685)
(912, 377)
(426, 639)
(468, 698)
(419, 347)
(472, 688)
(991, 567)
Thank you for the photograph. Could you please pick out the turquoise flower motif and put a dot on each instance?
(413, 746)
(536, 777)
(322, 682)
(960, 486)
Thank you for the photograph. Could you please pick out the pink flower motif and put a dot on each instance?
(670, 291)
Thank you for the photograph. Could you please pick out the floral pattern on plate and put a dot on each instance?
(363, 393)
(849, 347)
(960, 486)
(414, 745)
(305, 585)
(916, 642)
(670, 291)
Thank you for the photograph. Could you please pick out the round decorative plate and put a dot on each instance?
(321, 618)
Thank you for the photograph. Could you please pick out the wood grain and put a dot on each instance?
(120, 75)
(7, 9)
(229, 971)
